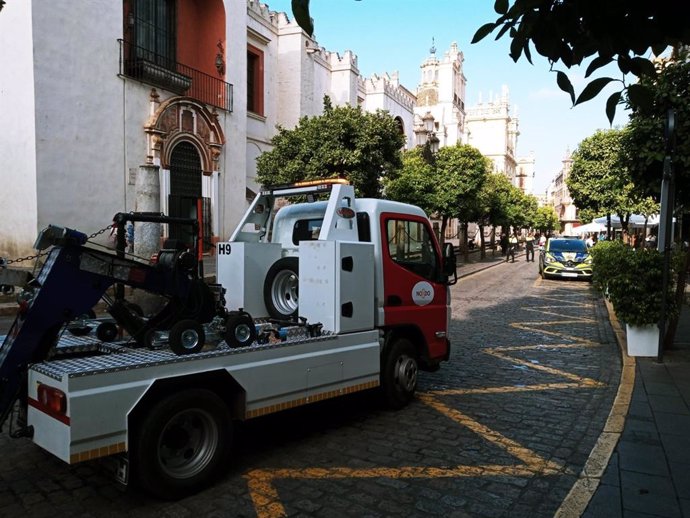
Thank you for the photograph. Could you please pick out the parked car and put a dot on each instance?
(565, 257)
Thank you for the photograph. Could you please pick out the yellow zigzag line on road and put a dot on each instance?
(267, 500)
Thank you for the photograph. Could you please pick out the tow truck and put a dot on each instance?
(313, 300)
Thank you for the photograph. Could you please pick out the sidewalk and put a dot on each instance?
(648, 473)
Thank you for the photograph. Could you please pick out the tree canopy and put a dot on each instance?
(644, 141)
(443, 186)
(597, 32)
(343, 142)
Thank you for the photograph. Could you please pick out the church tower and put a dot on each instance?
(441, 95)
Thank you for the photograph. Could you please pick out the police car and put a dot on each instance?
(565, 257)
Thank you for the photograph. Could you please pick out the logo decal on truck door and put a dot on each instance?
(422, 293)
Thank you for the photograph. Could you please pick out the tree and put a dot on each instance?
(599, 180)
(644, 141)
(645, 150)
(343, 142)
(572, 32)
(546, 220)
(442, 186)
(492, 205)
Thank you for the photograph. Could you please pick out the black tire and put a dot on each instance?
(239, 330)
(183, 443)
(187, 337)
(106, 332)
(280, 288)
(399, 373)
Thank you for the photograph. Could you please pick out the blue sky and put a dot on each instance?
(396, 35)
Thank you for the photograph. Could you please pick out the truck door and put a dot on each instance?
(414, 289)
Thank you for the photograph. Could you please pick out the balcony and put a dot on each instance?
(156, 70)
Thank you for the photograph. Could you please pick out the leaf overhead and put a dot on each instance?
(565, 85)
(300, 10)
(592, 89)
(483, 31)
(611, 104)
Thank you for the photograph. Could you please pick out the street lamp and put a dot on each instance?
(425, 133)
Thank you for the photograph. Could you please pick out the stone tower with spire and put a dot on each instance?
(441, 93)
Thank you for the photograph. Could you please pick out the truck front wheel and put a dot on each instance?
(183, 443)
(399, 373)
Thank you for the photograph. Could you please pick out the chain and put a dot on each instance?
(99, 232)
(36, 256)
(27, 258)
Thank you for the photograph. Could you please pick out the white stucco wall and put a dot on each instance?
(233, 160)
(17, 163)
(79, 111)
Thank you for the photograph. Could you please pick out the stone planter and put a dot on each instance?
(642, 340)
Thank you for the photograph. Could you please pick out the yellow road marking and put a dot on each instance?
(265, 496)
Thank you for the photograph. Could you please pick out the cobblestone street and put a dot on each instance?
(502, 429)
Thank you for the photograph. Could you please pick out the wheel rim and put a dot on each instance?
(188, 443)
(284, 292)
(406, 373)
(242, 333)
(189, 339)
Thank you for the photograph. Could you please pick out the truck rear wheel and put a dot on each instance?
(183, 443)
(187, 337)
(399, 373)
(280, 288)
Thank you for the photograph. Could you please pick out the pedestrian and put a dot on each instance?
(512, 246)
(589, 241)
(529, 247)
(504, 243)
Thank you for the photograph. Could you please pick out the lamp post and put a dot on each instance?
(426, 136)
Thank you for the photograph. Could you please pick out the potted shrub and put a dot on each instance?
(632, 280)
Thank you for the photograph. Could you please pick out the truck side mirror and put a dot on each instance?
(449, 263)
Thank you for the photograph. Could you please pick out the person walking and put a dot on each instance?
(512, 246)
(529, 247)
(504, 243)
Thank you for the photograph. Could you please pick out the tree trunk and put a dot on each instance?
(493, 240)
(680, 293)
(465, 250)
(444, 224)
(608, 227)
(482, 252)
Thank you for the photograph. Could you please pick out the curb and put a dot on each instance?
(577, 500)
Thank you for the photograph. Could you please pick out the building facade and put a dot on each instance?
(558, 196)
(155, 105)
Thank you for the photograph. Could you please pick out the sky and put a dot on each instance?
(396, 35)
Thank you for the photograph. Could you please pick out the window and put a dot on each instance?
(154, 31)
(306, 230)
(255, 80)
(410, 245)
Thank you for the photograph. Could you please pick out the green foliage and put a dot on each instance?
(644, 140)
(492, 203)
(444, 186)
(344, 142)
(416, 182)
(573, 32)
(632, 280)
(599, 181)
(546, 220)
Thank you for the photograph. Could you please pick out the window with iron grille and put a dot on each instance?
(154, 31)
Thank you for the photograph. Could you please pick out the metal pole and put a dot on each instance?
(665, 221)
